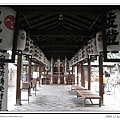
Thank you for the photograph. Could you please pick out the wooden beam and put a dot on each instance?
(62, 9)
(53, 51)
(60, 32)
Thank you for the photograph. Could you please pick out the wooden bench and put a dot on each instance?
(78, 88)
(87, 94)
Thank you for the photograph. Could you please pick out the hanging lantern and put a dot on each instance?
(35, 52)
(31, 47)
(84, 53)
(113, 30)
(92, 48)
(99, 41)
(27, 49)
(7, 23)
(21, 40)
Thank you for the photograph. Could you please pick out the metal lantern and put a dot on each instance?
(7, 24)
(21, 40)
(113, 30)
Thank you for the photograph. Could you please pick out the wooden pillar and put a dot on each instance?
(110, 69)
(51, 78)
(89, 74)
(34, 79)
(72, 69)
(18, 83)
(101, 88)
(82, 76)
(44, 71)
(77, 74)
(40, 69)
(29, 69)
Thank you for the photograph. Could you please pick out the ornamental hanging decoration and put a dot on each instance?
(112, 26)
(7, 23)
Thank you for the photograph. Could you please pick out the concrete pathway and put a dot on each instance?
(59, 98)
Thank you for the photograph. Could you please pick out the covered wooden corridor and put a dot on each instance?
(54, 39)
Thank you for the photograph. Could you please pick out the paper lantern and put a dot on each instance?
(27, 48)
(99, 41)
(84, 53)
(7, 23)
(92, 48)
(21, 40)
(35, 52)
(31, 47)
(113, 30)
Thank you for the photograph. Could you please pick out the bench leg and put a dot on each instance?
(84, 102)
(91, 101)
(100, 102)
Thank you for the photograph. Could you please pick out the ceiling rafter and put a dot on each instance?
(47, 38)
(71, 25)
(60, 32)
(79, 24)
(67, 27)
(89, 19)
(48, 25)
(41, 23)
(72, 38)
(71, 9)
(81, 21)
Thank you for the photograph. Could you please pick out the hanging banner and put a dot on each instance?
(99, 41)
(113, 30)
(7, 23)
(3, 83)
(21, 40)
(92, 48)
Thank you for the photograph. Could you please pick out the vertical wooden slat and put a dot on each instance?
(82, 76)
(89, 74)
(18, 83)
(101, 90)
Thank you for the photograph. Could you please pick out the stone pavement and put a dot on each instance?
(59, 98)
